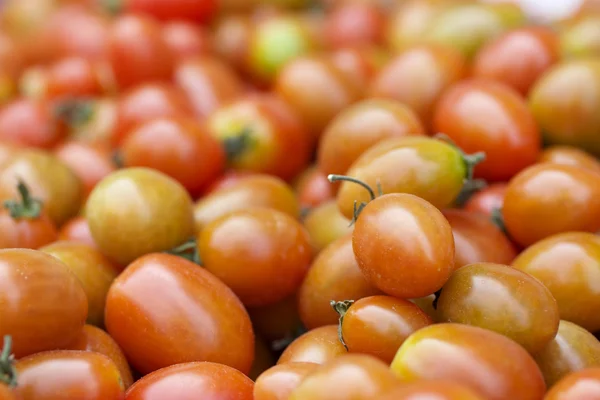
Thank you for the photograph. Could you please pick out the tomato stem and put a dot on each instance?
(26, 207)
(470, 160)
(235, 145)
(469, 188)
(498, 219)
(8, 373)
(341, 307)
(188, 250)
(335, 178)
(75, 112)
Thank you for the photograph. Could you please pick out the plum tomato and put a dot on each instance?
(325, 223)
(334, 275)
(372, 377)
(180, 289)
(78, 230)
(186, 39)
(358, 127)
(261, 254)
(43, 303)
(568, 264)
(278, 382)
(583, 384)
(319, 346)
(546, 199)
(312, 188)
(418, 76)
(502, 299)
(488, 200)
(278, 321)
(198, 11)
(378, 325)
(581, 37)
(568, 155)
(564, 103)
(518, 58)
(438, 390)
(488, 116)
(413, 255)
(158, 212)
(354, 23)
(51, 375)
(489, 363)
(189, 380)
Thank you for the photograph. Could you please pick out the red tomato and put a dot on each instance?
(359, 63)
(231, 34)
(228, 179)
(313, 188)
(584, 384)
(568, 155)
(488, 200)
(432, 389)
(186, 39)
(192, 10)
(351, 24)
(319, 346)
(279, 381)
(78, 230)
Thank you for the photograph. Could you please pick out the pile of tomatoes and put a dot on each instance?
(298, 200)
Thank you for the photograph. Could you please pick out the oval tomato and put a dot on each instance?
(278, 382)
(487, 201)
(354, 23)
(77, 230)
(319, 346)
(325, 224)
(584, 384)
(567, 155)
(427, 389)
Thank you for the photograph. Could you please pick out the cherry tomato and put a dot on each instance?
(319, 346)
(488, 200)
(351, 24)
(189, 380)
(581, 38)
(93, 121)
(278, 382)
(78, 230)
(52, 375)
(325, 224)
(312, 188)
(584, 384)
(186, 39)
(408, 22)
(278, 321)
(518, 58)
(360, 63)
(418, 76)
(482, 115)
(230, 38)
(474, 357)
(162, 290)
(438, 390)
(567, 155)
(567, 264)
(546, 199)
(44, 305)
(228, 179)
(360, 126)
(157, 210)
(198, 11)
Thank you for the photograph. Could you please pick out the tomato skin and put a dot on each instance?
(360, 63)
(230, 38)
(158, 211)
(6, 393)
(186, 381)
(181, 288)
(319, 346)
(487, 200)
(483, 115)
(325, 224)
(438, 390)
(581, 38)
(198, 11)
(471, 356)
(78, 230)
(312, 188)
(567, 155)
(546, 199)
(28, 233)
(186, 40)
(358, 127)
(35, 282)
(276, 321)
(227, 179)
(352, 24)
(408, 22)
(30, 123)
(278, 382)
(584, 384)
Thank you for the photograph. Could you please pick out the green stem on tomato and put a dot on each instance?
(357, 207)
(75, 112)
(470, 160)
(237, 144)
(26, 207)
(498, 219)
(341, 307)
(469, 188)
(188, 250)
(8, 373)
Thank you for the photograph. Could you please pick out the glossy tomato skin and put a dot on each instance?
(44, 305)
(261, 254)
(471, 356)
(198, 11)
(28, 233)
(158, 211)
(186, 40)
(319, 346)
(568, 155)
(78, 230)
(279, 381)
(358, 127)
(487, 200)
(483, 115)
(567, 265)
(438, 390)
(353, 24)
(181, 288)
(27, 122)
(584, 384)
(186, 381)
(325, 224)
(312, 188)
(518, 58)
(410, 232)
(547, 199)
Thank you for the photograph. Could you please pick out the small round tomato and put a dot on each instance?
(198, 11)
(354, 23)
(518, 58)
(334, 275)
(186, 39)
(567, 155)
(278, 321)
(157, 210)
(137, 51)
(312, 188)
(325, 224)
(163, 290)
(408, 21)
(488, 200)
(45, 306)
(482, 115)
(418, 76)
(278, 382)
(472, 356)
(583, 384)
(319, 346)
(581, 38)
(568, 264)
(96, 340)
(546, 199)
(230, 38)
(78, 230)
(358, 127)
(189, 380)
(227, 179)
(427, 389)
(360, 63)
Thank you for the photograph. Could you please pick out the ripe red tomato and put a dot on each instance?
(278, 382)
(354, 23)
(312, 188)
(429, 389)
(186, 39)
(568, 155)
(78, 230)
(319, 346)
(583, 384)
(488, 200)
(360, 63)
(199, 11)
(325, 224)
(230, 38)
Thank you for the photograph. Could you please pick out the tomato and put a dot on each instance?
(418, 76)
(358, 127)
(93, 121)
(475, 357)
(312, 188)
(186, 39)
(564, 101)
(567, 155)
(259, 190)
(262, 134)
(98, 341)
(230, 38)
(157, 210)
(360, 63)
(566, 263)
(181, 148)
(438, 390)
(488, 200)
(581, 38)
(137, 51)
(278, 382)
(351, 24)
(11, 55)
(6, 393)
(317, 90)
(48, 179)
(90, 376)
(31, 123)
(189, 380)
(208, 83)
(408, 22)
(334, 275)
(78, 230)
(43, 304)
(477, 239)
(518, 58)
(482, 115)
(198, 11)
(548, 198)
(278, 321)
(227, 179)
(325, 224)
(584, 384)
(331, 382)
(319, 346)
(181, 287)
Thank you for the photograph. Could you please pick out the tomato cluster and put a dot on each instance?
(298, 200)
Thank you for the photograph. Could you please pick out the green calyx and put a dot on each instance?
(112, 7)
(469, 188)
(75, 112)
(8, 373)
(498, 219)
(235, 145)
(470, 160)
(357, 207)
(341, 307)
(188, 250)
(26, 207)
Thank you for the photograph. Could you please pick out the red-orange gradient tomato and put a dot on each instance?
(584, 384)
(431, 389)
(279, 381)
(352, 24)
(186, 39)
(568, 155)
(319, 346)
(488, 200)
(78, 230)
(193, 10)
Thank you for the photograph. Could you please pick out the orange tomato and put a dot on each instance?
(584, 384)
(319, 346)
(278, 382)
